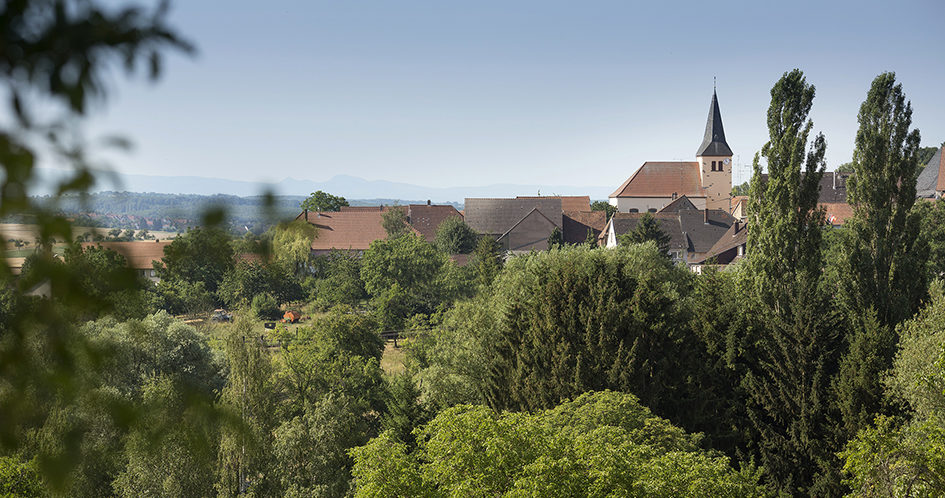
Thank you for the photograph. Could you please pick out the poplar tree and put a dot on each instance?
(883, 266)
(792, 358)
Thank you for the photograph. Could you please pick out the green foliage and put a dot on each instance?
(486, 260)
(556, 239)
(601, 444)
(907, 458)
(924, 155)
(648, 228)
(405, 276)
(792, 357)
(564, 322)
(311, 450)
(246, 281)
(105, 281)
(19, 479)
(741, 189)
(454, 236)
(883, 266)
(323, 201)
(605, 207)
(394, 221)
(200, 255)
(265, 307)
(172, 451)
(292, 244)
(244, 460)
(932, 233)
(404, 410)
(183, 297)
(340, 282)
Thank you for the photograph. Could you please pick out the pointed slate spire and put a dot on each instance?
(713, 144)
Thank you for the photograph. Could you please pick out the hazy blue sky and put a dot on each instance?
(446, 93)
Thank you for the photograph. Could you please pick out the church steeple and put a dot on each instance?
(713, 144)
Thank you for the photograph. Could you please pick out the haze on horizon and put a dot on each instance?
(537, 92)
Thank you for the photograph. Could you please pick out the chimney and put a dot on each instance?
(428, 202)
(705, 214)
(306, 214)
(674, 196)
(737, 226)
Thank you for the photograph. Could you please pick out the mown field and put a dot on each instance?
(28, 233)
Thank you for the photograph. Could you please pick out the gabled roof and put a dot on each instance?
(534, 213)
(669, 224)
(932, 178)
(704, 228)
(575, 224)
(735, 236)
(139, 254)
(713, 143)
(663, 179)
(426, 218)
(568, 202)
(680, 203)
(497, 216)
(346, 230)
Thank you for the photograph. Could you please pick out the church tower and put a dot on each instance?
(715, 161)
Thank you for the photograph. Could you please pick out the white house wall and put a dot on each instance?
(644, 204)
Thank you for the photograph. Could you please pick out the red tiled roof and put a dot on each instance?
(426, 218)
(139, 254)
(663, 179)
(837, 212)
(346, 230)
(575, 225)
(568, 202)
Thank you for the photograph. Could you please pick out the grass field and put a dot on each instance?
(393, 360)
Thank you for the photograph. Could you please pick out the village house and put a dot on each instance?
(140, 255)
(353, 228)
(525, 223)
(692, 231)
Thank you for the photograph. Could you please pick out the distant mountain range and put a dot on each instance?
(350, 187)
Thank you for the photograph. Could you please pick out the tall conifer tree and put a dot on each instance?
(882, 266)
(792, 358)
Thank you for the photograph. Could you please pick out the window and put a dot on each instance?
(713, 165)
(634, 210)
(652, 210)
(720, 165)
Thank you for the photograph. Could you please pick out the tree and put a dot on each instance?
(454, 236)
(562, 323)
(600, 444)
(404, 276)
(648, 228)
(322, 201)
(394, 221)
(200, 255)
(793, 356)
(604, 206)
(487, 260)
(556, 239)
(932, 233)
(895, 457)
(884, 268)
(292, 244)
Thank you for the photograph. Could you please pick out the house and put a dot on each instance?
(140, 255)
(351, 230)
(727, 250)
(692, 232)
(931, 181)
(832, 198)
(577, 225)
(518, 225)
(426, 218)
(707, 181)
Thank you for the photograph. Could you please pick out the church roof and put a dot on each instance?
(713, 144)
(663, 179)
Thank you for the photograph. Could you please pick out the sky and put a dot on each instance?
(447, 93)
